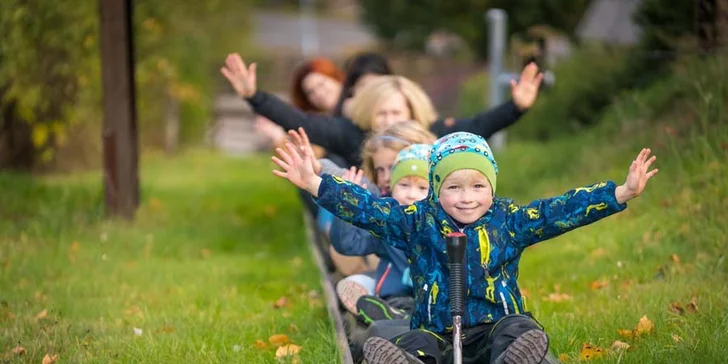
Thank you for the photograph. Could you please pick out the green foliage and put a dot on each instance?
(664, 22)
(50, 65)
(409, 22)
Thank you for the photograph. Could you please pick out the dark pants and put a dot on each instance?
(481, 344)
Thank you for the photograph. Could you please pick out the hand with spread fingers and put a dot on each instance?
(300, 139)
(525, 90)
(639, 174)
(241, 77)
(297, 167)
(355, 176)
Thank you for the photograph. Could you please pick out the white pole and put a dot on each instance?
(309, 33)
(497, 20)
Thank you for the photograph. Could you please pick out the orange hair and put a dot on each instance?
(323, 66)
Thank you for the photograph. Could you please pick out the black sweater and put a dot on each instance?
(340, 135)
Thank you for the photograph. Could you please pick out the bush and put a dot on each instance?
(50, 67)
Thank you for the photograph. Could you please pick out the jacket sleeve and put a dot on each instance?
(547, 218)
(331, 133)
(348, 239)
(484, 124)
(383, 217)
(327, 166)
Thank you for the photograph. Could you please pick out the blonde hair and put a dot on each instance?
(395, 137)
(366, 102)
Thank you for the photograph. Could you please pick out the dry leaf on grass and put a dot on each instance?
(283, 301)
(557, 297)
(292, 328)
(564, 358)
(645, 326)
(627, 334)
(286, 351)
(589, 352)
(676, 338)
(260, 344)
(692, 306)
(677, 308)
(19, 350)
(41, 315)
(620, 345)
(47, 359)
(675, 258)
(597, 285)
(279, 339)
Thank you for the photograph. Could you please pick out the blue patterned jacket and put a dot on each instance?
(493, 251)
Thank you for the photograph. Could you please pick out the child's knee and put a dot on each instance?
(515, 325)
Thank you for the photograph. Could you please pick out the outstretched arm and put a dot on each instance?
(523, 92)
(548, 218)
(328, 132)
(347, 201)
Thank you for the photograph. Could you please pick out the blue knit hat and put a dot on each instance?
(410, 161)
(458, 151)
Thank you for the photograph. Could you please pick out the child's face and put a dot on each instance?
(410, 189)
(466, 195)
(382, 161)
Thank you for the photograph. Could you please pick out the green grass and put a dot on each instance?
(683, 212)
(216, 242)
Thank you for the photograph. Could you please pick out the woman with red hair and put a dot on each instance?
(316, 86)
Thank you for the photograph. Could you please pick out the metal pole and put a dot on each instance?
(497, 20)
(309, 33)
(455, 244)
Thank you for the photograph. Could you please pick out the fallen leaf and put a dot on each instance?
(619, 345)
(557, 297)
(166, 330)
(525, 293)
(19, 350)
(597, 285)
(589, 352)
(278, 339)
(645, 326)
(47, 359)
(675, 258)
(564, 358)
(260, 344)
(155, 204)
(677, 308)
(134, 311)
(281, 302)
(292, 328)
(41, 315)
(692, 306)
(287, 350)
(676, 338)
(138, 331)
(627, 334)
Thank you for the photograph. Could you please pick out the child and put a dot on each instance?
(408, 184)
(462, 198)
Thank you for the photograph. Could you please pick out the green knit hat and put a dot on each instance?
(458, 151)
(410, 161)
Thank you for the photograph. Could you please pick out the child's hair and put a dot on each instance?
(395, 137)
(367, 101)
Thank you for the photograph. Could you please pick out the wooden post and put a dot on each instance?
(119, 133)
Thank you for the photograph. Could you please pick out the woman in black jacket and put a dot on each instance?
(344, 136)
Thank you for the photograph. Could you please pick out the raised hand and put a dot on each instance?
(639, 174)
(300, 139)
(525, 90)
(354, 176)
(240, 76)
(297, 168)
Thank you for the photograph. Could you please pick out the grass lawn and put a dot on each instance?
(216, 243)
